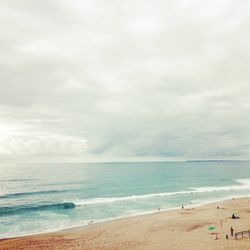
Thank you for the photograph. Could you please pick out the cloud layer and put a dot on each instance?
(125, 79)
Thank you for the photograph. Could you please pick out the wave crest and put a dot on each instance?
(243, 184)
(24, 209)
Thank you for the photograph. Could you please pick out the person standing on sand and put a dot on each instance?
(232, 231)
(182, 207)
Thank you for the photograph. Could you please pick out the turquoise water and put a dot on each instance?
(38, 198)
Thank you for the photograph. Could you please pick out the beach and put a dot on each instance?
(124, 125)
(175, 229)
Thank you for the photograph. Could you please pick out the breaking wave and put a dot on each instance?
(13, 210)
(243, 184)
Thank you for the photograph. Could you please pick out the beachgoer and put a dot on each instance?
(235, 216)
(227, 236)
(232, 231)
(182, 207)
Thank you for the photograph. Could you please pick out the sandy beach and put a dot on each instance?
(177, 229)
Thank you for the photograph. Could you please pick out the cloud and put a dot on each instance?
(42, 144)
(23, 140)
(125, 79)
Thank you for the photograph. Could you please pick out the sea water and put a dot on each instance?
(37, 198)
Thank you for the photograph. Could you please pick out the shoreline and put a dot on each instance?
(108, 220)
(206, 214)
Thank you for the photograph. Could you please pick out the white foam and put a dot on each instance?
(94, 201)
(244, 181)
(243, 185)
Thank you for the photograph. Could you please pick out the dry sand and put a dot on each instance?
(187, 229)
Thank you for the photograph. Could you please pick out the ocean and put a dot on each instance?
(36, 198)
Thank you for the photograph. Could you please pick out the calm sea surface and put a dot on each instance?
(38, 198)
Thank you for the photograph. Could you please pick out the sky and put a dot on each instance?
(95, 80)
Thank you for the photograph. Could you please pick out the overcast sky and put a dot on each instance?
(124, 79)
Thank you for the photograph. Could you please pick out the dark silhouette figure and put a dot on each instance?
(235, 217)
(232, 231)
(226, 236)
(182, 207)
